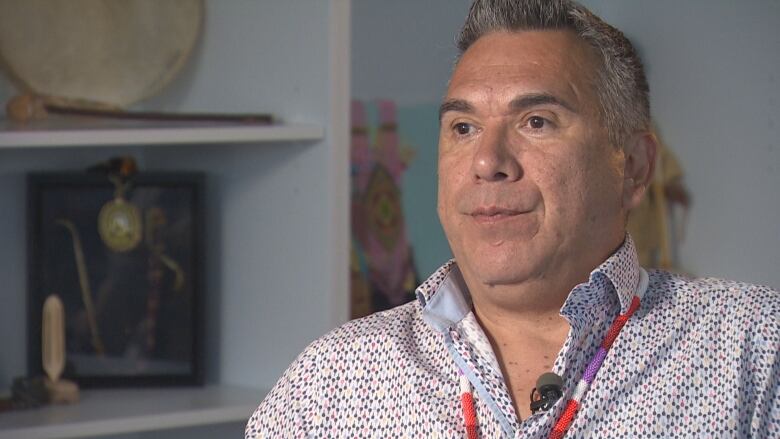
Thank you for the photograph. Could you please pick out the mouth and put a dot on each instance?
(492, 215)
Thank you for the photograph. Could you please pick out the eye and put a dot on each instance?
(462, 128)
(536, 122)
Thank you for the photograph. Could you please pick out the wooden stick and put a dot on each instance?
(27, 107)
(247, 118)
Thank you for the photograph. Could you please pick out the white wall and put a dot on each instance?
(713, 67)
(404, 50)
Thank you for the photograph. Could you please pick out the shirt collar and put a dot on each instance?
(622, 270)
(445, 299)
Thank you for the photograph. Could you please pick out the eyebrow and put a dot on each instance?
(520, 103)
(527, 101)
(458, 105)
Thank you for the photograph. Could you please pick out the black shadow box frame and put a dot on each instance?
(145, 325)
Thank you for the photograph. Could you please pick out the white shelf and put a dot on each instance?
(103, 412)
(58, 132)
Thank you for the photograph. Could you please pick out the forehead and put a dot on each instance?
(505, 64)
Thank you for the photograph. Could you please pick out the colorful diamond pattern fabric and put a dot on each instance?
(699, 358)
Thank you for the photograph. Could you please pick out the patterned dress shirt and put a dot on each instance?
(699, 358)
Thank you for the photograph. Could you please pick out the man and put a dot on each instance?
(544, 149)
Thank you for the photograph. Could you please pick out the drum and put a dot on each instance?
(113, 52)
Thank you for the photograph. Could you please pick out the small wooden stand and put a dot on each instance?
(62, 391)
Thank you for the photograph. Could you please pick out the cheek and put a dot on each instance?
(444, 191)
(601, 196)
(566, 190)
(451, 174)
(556, 176)
(452, 182)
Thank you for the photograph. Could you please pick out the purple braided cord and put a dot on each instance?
(594, 365)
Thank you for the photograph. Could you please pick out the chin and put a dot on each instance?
(496, 270)
(504, 277)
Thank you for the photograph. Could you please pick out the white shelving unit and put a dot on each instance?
(277, 213)
(119, 411)
(110, 412)
(107, 412)
(65, 132)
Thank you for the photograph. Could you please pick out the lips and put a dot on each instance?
(492, 214)
(493, 211)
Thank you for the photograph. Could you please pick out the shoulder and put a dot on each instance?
(712, 292)
(378, 333)
(346, 361)
(730, 308)
(381, 334)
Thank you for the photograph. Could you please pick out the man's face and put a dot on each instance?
(529, 186)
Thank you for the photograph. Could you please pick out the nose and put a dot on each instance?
(495, 161)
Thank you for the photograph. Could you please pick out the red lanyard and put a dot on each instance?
(573, 405)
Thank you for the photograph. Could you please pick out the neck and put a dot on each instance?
(525, 340)
(526, 304)
(533, 311)
(538, 298)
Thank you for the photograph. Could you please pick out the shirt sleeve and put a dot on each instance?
(290, 408)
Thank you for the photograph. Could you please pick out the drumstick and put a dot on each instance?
(27, 107)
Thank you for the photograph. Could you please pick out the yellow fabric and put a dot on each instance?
(646, 223)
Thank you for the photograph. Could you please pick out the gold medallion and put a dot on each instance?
(119, 225)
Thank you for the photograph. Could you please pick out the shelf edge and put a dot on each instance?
(159, 136)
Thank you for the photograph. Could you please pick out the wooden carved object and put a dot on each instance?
(53, 337)
(53, 352)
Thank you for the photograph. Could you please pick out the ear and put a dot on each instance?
(639, 170)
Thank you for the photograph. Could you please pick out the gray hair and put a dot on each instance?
(621, 85)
